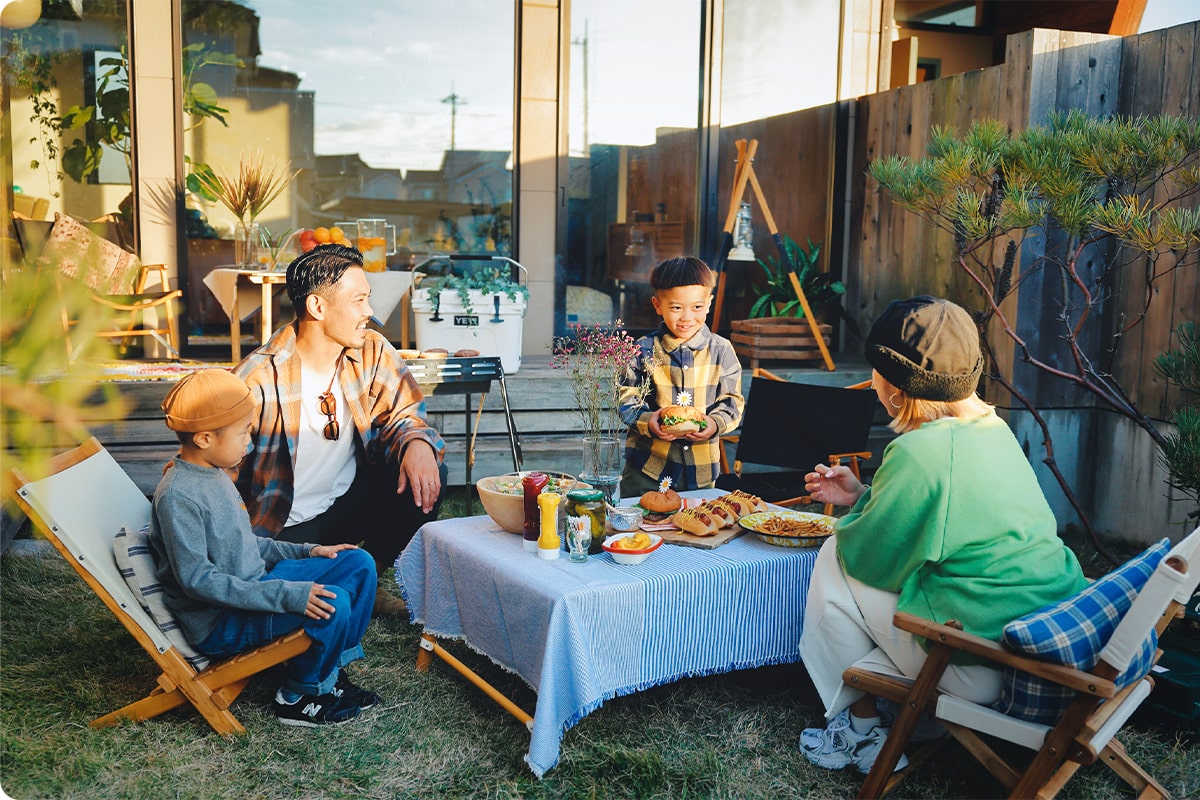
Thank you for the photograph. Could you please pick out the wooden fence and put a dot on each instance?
(895, 254)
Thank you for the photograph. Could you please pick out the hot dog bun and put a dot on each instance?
(678, 420)
(697, 521)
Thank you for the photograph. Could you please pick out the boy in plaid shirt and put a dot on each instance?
(687, 364)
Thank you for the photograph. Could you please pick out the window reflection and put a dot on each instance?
(393, 112)
(634, 154)
(66, 143)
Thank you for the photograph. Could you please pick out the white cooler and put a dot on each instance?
(492, 330)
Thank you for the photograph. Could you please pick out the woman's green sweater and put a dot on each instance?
(956, 523)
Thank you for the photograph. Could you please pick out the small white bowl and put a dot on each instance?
(631, 557)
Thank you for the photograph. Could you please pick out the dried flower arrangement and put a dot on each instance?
(597, 358)
(255, 186)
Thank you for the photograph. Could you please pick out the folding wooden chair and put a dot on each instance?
(1083, 734)
(130, 310)
(84, 501)
(793, 427)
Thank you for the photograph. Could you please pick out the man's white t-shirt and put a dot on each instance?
(324, 469)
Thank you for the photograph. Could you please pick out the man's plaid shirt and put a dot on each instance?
(704, 366)
(387, 408)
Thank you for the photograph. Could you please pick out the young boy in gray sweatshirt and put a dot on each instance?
(232, 590)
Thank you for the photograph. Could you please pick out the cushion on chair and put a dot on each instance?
(135, 560)
(81, 255)
(1072, 632)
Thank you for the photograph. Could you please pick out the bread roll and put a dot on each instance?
(661, 502)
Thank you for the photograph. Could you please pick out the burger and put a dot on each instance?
(662, 503)
(679, 420)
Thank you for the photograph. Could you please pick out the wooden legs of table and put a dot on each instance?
(268, 321)
(235, 331)
(430, 648)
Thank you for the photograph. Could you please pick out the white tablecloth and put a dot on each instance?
(387, 288)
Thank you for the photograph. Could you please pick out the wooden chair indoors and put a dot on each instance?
(1113, 654)
(115, 279)
(791, 427)
(95, 516)
(129, 315)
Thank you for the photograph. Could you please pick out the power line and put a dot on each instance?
(455, 100)
(584, 43)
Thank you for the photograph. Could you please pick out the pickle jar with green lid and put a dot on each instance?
(590, 503)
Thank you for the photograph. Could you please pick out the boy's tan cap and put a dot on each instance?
(207, 400)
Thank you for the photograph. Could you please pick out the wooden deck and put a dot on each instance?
(540, 398)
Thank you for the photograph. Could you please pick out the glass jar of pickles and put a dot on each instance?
(589, 503)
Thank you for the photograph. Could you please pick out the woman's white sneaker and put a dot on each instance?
(838, 745)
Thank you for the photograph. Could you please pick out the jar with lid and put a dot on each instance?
(589, 503)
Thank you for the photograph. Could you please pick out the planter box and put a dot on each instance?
(492, 325)
(776, 338)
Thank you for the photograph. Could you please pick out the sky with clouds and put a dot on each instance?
(381, 70)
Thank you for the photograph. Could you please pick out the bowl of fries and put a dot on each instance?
(789, 528)
(632, 548)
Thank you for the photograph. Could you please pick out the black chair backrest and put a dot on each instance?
(798, 425)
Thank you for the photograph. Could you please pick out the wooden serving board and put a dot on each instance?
(676, 536)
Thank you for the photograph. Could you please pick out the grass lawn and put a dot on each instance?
(64, 660)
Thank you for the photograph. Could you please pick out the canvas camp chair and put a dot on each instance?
(1067, 715)
(88, 507)
(792, 427)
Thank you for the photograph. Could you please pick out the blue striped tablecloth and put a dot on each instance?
(580, 634)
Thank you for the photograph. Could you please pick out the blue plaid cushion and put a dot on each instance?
(1072, 632)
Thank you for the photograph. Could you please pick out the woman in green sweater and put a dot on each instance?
(955, 526)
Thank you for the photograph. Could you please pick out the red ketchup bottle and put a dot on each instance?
(531, 486)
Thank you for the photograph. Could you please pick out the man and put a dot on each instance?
(342, 451)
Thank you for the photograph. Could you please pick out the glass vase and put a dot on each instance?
(246, 239)
(603, 460)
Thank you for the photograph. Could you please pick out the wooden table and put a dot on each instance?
(580, 634)
(388, 290)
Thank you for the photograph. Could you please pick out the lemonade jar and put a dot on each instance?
(372, 241)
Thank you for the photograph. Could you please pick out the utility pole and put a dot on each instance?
(584, 44)
(455, 101)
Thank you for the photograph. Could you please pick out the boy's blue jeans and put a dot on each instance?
(336, 641)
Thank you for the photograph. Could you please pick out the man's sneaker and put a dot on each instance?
(838, 746)
(312, 710)
(928, 729)
(346, 689)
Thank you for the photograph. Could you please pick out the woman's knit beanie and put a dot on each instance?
(927, 347)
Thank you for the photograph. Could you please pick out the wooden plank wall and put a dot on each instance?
(895, 254)
(1160, 75)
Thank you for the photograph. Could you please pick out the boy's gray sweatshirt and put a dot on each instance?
(208, 557)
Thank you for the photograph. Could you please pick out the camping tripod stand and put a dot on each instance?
(743, 175)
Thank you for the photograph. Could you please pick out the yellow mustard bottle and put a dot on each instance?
(548, 542)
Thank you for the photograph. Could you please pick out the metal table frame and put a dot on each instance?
(467, 376)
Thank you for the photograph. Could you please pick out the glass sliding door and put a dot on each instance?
(66, 135)
(634, 150)
(401, 112)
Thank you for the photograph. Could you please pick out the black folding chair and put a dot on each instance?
(791, 427)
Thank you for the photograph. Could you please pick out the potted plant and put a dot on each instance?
(475, 286)
(778, 297)
(246, 195)
(469, 311)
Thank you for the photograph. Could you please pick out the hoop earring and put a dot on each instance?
(891, 402)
